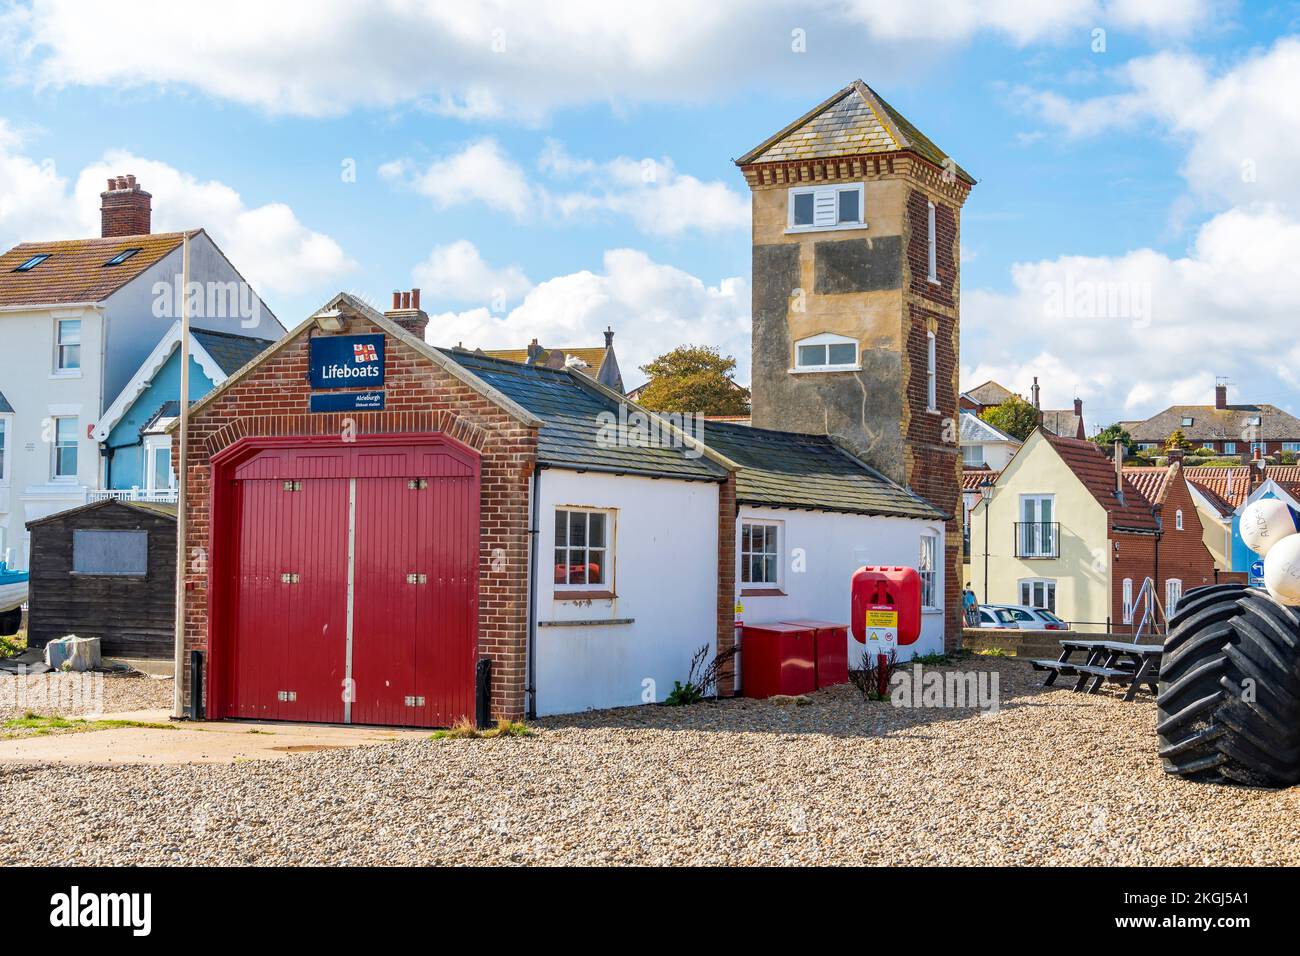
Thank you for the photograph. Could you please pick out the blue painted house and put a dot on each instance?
(1222, 494)
(135, 451)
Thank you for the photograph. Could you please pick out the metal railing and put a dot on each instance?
(165, 496)
(1038, 539)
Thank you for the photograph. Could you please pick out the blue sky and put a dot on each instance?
(546, 172)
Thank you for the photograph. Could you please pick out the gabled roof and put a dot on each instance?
(75, 270)
(1219, 424)
(229, 348)
(1063, 422)
(853, 122)
(161, 509)
(598, 363)
(791, 470)
(1152, 483)
(990, 393)
(976, 430)
(1228, 488)
(572, 433)
(5, 407)
(1132, 511)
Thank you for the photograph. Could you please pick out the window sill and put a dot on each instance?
(931, 610)
(76, 374)
(838, 227)
(933, 281)
(933, 411)
(584, 595)
(762, 592)
(813, 370)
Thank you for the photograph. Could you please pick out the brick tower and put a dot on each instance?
(856, 225)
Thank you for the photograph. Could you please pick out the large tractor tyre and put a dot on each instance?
(11, 621)
(1229, 689)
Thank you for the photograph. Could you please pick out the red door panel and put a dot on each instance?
(264, 603)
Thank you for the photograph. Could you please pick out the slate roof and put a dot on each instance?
(975, 430)
(790, 470)
(75, 270)
(570, 434)
(853, 122)
(230, 350)
(990, 393)
(1218, 424)
(1090, 465)
(5, 407)
(166, 410)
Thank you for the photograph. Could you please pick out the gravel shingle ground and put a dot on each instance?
(1053, 778)
(57, 694)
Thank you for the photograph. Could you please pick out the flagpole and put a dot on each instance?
(178, 695)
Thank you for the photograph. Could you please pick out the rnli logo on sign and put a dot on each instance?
(347, 361)
(881, 628)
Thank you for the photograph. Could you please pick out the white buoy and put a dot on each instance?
(1266, 522)
(1282, 570)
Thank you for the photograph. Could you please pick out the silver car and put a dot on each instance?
(1032, 618)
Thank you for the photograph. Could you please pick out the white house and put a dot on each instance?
(78, 318)
(984, 445)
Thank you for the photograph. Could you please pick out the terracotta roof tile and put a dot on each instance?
(972, 478)
(1230, 487)
(1091, 466)
(75, 270)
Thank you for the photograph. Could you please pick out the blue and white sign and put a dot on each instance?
(347, 361)
(1257, 574)
(348, 402)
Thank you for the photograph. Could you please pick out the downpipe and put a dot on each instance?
(530, 678)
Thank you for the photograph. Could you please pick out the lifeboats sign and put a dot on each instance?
(881, 631)
(347, 361)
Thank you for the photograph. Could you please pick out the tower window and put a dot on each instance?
(932, 246)
(826, 207)
(826, 353)
(931, 384)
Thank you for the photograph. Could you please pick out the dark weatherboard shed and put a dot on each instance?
(106, 570)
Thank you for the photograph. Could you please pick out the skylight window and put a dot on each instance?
(33, 262)
(121, 257)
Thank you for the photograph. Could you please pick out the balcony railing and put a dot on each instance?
(165, 496)
(1038, 539)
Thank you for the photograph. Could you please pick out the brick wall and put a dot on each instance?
(727, 513)
(125, 210)
(272, 401)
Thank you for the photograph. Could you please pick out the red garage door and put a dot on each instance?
(354, 591)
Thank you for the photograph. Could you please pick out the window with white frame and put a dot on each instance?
(1038, 526)
(1229, 447)
(1173, 594)
(760, 554)
(826, 352)
(928, 568)
(826, 207)
(67, 346)
(1039, 593)
(582, 537)
(5, 428)
(66, 439)
(159, 475)
(1128, 600)
(931, 380)
(972, 454)
(1258, 447)
(1178, 520)
(932, 247)
(1291, 446)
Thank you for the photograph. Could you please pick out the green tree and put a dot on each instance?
(694, 378)
(1015, 416)
(1178, 441)
(1107, 437)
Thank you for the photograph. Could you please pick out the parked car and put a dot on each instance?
(990, 616)
(1033, 618)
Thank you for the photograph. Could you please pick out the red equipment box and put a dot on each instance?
(777, 659)
(876, 586)
(831, 644)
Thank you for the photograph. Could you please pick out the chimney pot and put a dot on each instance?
(415, 298)
(407, 313)
(397, 300)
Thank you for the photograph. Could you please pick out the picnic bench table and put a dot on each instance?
(1105, 659)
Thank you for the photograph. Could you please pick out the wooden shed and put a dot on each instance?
(106, 570)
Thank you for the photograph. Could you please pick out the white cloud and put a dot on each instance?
(480, 172)
(652, 308)
(1241, 126)
(457, 273)
(650, 192)
(497, 58)
(268, 244)
(1137, 332)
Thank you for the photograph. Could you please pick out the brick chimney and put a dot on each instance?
(124, 208)
(1221, 394)
(407, 313)
(1078, 407)
(609, 337)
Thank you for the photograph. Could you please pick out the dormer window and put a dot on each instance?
(826, 207)
(826, 353)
